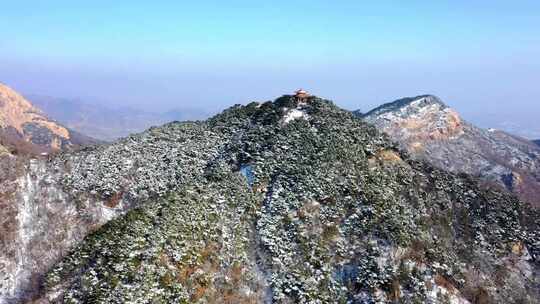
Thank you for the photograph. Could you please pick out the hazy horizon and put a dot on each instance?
(480, 58)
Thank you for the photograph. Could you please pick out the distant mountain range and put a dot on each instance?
(537, 142)
(107, 123)
(428, 129)
(26, 129)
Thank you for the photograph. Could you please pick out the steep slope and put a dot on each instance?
(24, 128)
(107, 123)
(428, 129)
(274, 202)
(48, 206)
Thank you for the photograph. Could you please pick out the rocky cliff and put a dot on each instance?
(275, 202)
(428, 129)
(25, 129)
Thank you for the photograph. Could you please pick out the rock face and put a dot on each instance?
(430, 130)
(24, 128)
(276, 202)
(4, 150)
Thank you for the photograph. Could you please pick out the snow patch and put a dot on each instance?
(17, 268)
(416, 102)
(294, 114)
(108, 213)
(437, 291)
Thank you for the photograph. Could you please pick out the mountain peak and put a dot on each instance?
(430, 130)
(409, 103)
(419, 118)
(26, 128)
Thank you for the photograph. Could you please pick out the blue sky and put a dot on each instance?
(482, 57)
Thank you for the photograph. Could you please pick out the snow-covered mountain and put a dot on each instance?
(428, 129)
(291, 201)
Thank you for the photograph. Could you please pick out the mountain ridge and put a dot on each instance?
(104, 122)
(277, 201)
(422, 100)
(428, 129)
(26, 129)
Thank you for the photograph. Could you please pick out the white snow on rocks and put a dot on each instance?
(293, 114)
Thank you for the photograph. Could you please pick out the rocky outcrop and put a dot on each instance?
(25, 129)
(430, 130)
(3, 150)
(274, 202)
(40, 223)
